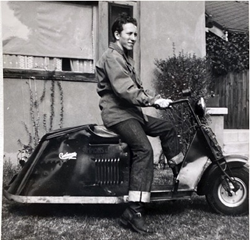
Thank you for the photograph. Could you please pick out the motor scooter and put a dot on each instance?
(89, 164)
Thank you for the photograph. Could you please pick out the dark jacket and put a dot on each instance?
(122, 94)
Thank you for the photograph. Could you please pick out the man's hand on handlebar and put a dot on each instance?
(162, 103)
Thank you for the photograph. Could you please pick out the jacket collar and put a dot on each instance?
(115, 47)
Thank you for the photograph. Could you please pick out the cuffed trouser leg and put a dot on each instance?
(138, 196)
(141, 174)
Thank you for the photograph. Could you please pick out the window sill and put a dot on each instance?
(49, 75)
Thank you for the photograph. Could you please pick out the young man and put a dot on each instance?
(122, 96)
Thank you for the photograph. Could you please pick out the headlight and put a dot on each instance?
(200, 107)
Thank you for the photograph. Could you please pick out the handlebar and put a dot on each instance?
(172, 103)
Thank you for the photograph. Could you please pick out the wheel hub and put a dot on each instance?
(233, 199)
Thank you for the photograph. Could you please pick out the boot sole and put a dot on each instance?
(123, 222)
(129, 224)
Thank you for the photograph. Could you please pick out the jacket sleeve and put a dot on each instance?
(123, 85)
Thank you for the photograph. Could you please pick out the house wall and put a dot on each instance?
(164, 23)
(80, 106)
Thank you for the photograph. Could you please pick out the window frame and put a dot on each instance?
(49, 75)
(20, 73)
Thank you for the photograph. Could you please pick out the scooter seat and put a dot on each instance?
(102, 131)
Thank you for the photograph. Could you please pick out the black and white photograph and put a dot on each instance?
(124, 120)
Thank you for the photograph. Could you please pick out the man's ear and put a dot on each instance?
(117, 35)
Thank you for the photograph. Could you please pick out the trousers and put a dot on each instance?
(134, 133)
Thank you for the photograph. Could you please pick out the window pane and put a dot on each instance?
(51, 29)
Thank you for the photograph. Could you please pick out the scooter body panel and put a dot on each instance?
(72, 163)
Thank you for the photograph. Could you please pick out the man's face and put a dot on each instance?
(127, 37)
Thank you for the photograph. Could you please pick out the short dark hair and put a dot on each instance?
(122, 18)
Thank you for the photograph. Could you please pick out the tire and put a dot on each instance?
(237, 204)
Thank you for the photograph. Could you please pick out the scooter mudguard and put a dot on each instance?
(212, 172)
(74, 162)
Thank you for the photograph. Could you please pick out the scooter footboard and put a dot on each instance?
(66, 199)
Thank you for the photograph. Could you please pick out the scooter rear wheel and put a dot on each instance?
(235, 203)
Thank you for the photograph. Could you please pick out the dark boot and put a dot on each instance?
(133, 217)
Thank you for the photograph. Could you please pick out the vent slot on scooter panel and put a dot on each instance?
(107, 171)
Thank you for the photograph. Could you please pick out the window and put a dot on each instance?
(49, 36)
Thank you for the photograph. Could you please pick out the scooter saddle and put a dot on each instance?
(102, 131)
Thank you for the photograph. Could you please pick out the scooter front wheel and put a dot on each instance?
(230, 202)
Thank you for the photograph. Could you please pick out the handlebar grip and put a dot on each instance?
(157, 106)
(178, 101)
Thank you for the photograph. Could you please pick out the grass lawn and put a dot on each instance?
(177, 220)
(174, 220)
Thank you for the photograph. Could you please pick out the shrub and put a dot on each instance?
(228, 56)
(177, 73)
